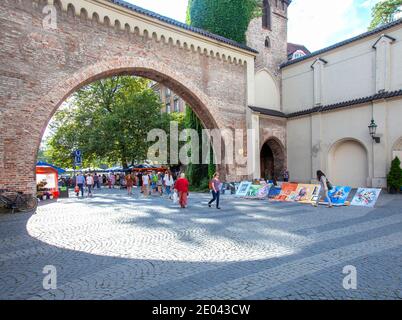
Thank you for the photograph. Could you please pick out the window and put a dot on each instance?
(168, 108)
(266, 15)
(298, 54)
(176, 105)
(267, 42)
(168, 93)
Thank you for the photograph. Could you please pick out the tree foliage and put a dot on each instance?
(198, 174)
(228, 18)
(384, 12)
(394, 178)
(109, 121)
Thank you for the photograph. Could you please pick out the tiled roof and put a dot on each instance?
(345, 42)
(377, 96)
(330, 107)
(293, 47)
(181, 25)
(268, 112)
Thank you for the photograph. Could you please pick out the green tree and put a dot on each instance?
(109, 121)
(228, 18)
(385, 12)
(394, 178)
(198, 174)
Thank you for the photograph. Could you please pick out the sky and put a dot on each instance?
(313, 23)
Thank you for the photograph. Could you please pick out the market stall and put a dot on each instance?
(47, 182)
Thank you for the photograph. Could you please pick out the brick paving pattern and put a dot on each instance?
(117, 247)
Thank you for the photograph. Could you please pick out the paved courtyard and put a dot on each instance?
(117, 247)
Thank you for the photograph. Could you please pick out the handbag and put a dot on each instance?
(329, 185)
(77, 189)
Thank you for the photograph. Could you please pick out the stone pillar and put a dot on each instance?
(318, 71)
(317, 162)
(380, 150)
(383, 63)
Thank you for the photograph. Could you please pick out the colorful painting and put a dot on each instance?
(366, 197)
(264, 191)
(307, 193)
(274, 191)
(253, 190)
(243, 188)
(339, 195)
(288, 192)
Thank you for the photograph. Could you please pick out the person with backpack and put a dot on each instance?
(325, 187)
(215, 186)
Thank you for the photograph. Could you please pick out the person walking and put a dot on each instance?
(181, 186)
(324, 188)
(80, 181)
(216, 190)
(129, 183)
(90, 184)
(159, 183)
(145, 184)
(169, 182)
(96, 181)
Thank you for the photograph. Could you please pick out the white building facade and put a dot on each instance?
(314, 111)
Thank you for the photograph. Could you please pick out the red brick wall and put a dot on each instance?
(40, 68)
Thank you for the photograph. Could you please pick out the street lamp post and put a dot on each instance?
(373, 129)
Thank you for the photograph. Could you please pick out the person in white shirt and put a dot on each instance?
(90, 184)
(169, 182)
(145, 184)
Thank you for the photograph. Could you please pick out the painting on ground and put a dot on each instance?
(366, 197)
(274, 191)
(243, 188)
(253, 190)
(288, 192)
(338, 195)
(264, 191)
(307, 193)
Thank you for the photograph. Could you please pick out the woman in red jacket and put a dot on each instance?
(181, 186)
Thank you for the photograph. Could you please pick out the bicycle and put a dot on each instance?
(17, 201)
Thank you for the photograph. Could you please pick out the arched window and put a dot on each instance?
(266, 15)
(267, 42)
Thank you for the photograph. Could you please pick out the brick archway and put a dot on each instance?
(272, 159)
(96, 39)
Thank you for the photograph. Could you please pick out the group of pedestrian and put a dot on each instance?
(88, 181)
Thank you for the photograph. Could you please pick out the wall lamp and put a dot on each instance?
(373, 129)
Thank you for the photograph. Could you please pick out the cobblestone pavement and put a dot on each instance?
(117, 247)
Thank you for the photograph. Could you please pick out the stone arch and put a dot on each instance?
(272, 159)
(43, 110)
(348, 163)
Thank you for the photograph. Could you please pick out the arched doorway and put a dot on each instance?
(272, 159)
(348, 164)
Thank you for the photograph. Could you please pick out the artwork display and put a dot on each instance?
(366, 197)
(243, 188)
(338, 195)
(274, 191)
(307, 193)
(288, 192)
(253, 190)
(264, 191)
